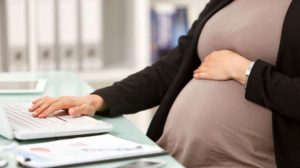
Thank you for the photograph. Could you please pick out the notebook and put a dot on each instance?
(82, 150)
(17, 122)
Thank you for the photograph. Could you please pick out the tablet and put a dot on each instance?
(22, 86)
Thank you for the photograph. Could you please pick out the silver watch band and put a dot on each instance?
(247, 74)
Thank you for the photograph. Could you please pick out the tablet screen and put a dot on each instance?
(22, 86)
(18, 85)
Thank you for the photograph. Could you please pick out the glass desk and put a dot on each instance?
(66, 83)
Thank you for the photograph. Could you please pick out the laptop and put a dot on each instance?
(18, 123)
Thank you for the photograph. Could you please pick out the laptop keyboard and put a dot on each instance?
(20, 118)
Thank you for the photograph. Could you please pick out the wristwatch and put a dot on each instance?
(247, 74)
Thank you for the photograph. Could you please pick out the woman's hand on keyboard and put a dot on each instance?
(76, 106)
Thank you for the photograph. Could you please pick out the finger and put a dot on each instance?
(44, 106)
(201, 75)
(39, 99)
(76, 111)
(88, 110)
(38, 102)
(69, 100)
(58, 105)
(200, 69)
(81, 110)
(36, 105)
(203, 64)
(196, 76)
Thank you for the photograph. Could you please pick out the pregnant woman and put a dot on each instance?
(228, 94)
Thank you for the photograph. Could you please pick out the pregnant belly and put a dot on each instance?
(213, 117)
(208, 103)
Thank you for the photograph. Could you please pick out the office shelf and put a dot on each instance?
(125, 37)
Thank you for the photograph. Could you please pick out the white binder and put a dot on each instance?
(91, 35)
(45, 34)
(17, 35)
(68, 34)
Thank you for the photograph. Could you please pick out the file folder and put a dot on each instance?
(17, 35)
(91, 35)
(68, 34)
(45, 34)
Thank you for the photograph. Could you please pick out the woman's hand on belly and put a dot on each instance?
(223, 65)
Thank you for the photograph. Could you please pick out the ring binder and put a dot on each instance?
(17, 35)
(46, 34)
(90, 34)
(67, 34)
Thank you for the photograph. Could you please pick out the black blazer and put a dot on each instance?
(274, 87)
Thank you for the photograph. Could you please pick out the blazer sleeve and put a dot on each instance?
(146, 88)
(274, 90)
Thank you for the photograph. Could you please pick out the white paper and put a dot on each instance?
(81, 150)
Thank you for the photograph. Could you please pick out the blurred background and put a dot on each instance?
(100, 40)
